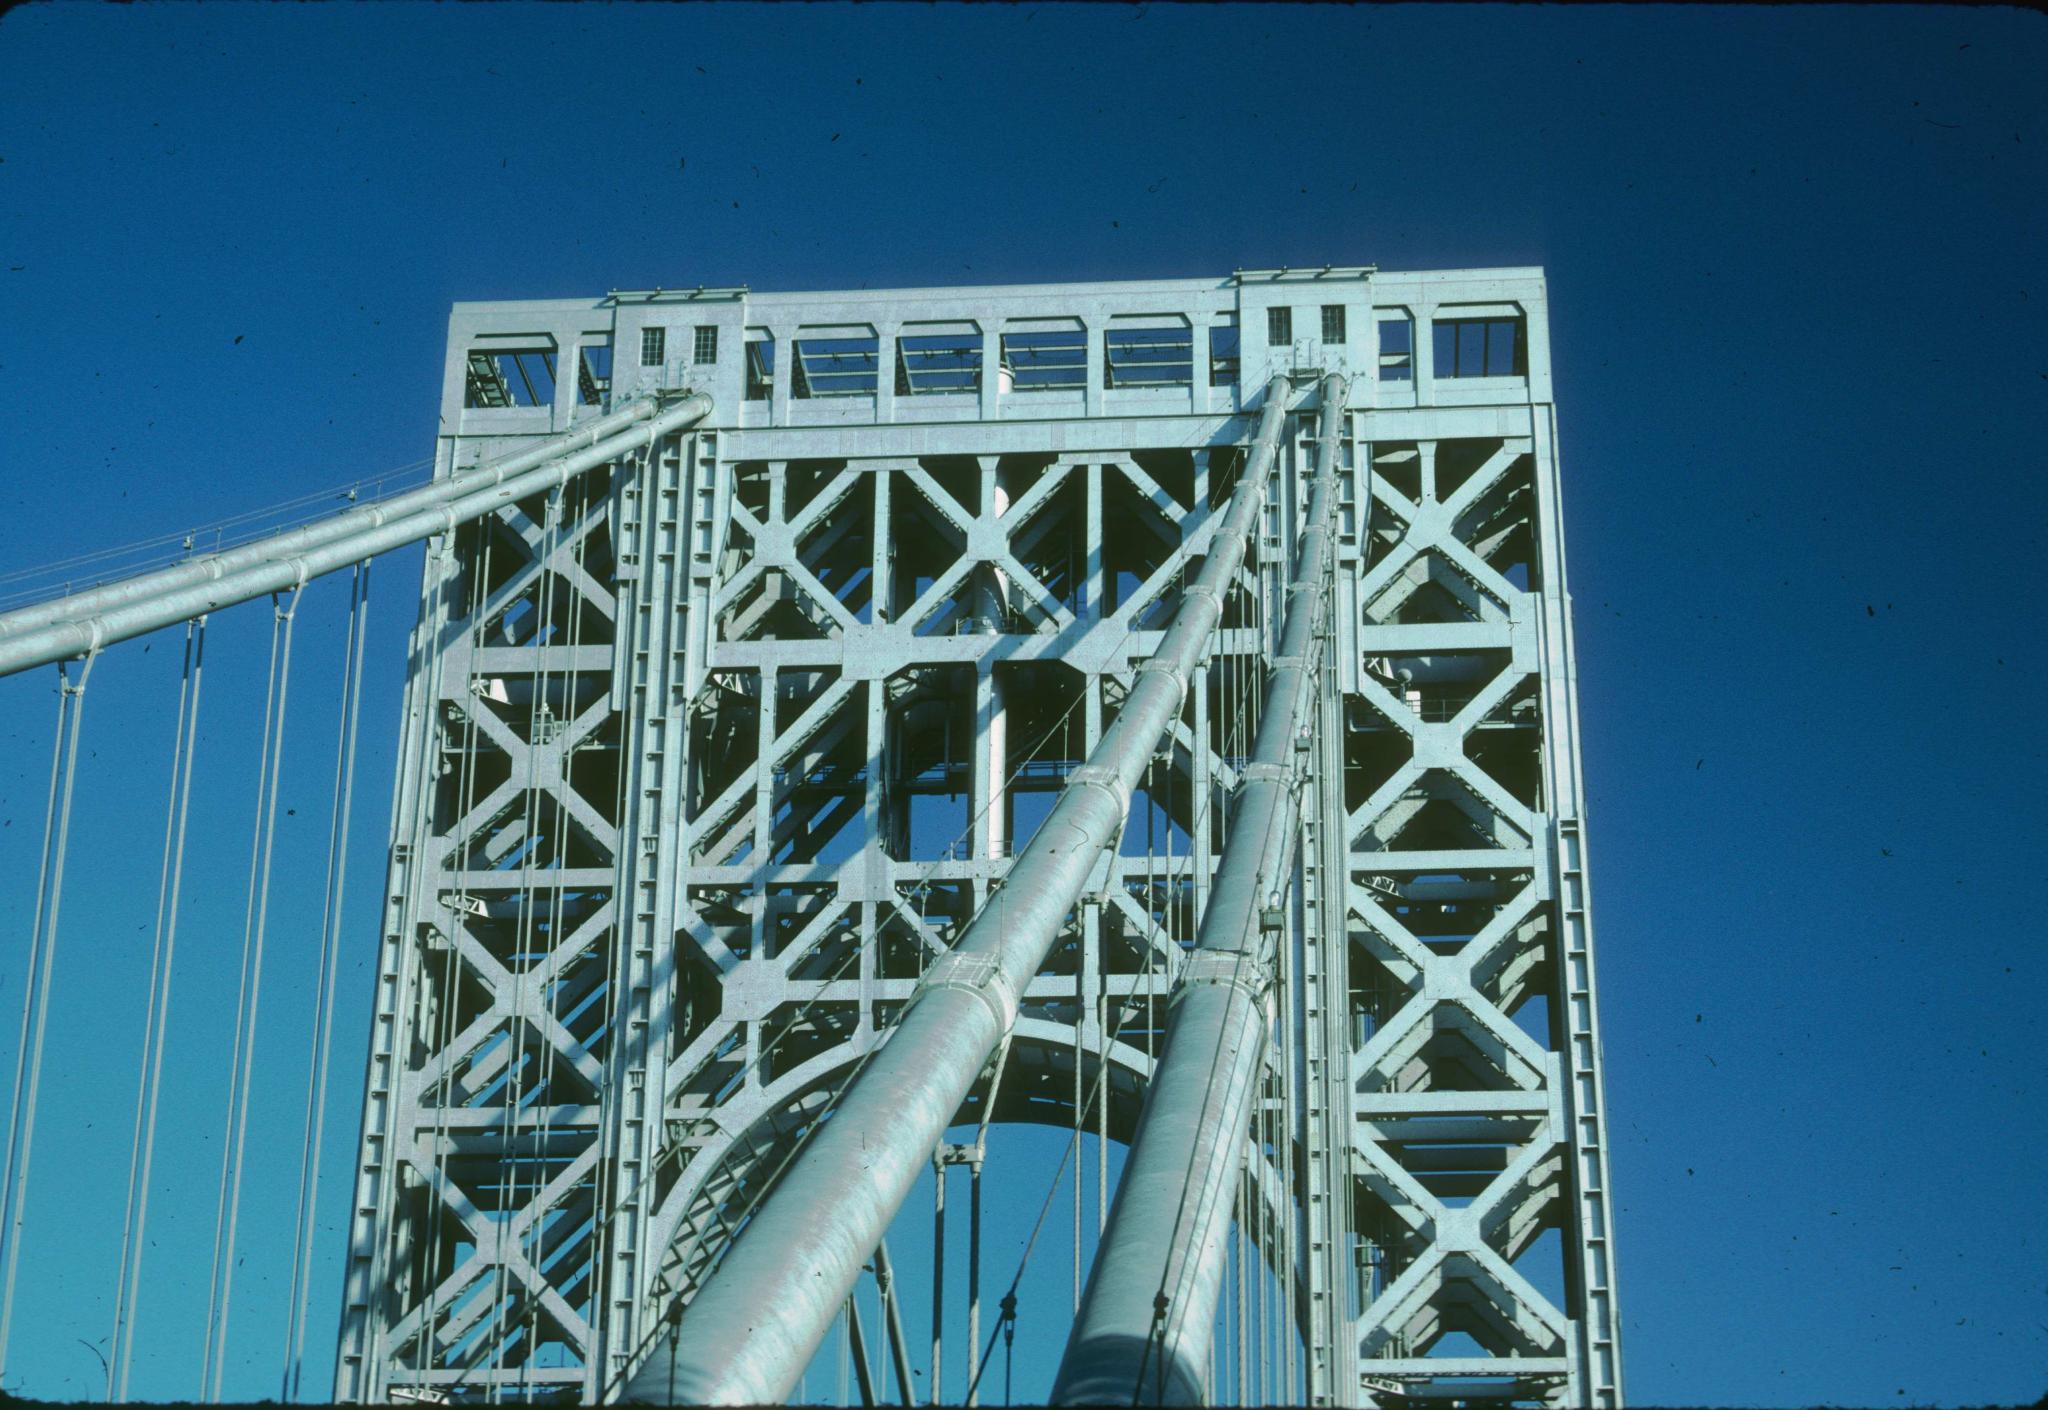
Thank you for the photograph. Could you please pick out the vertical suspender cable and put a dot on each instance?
(988, 1109)
(1262, 1266)
(330, 958)
(135, 1223)
(938, 1275)
(974, 1277)
(24, 1068)
(227, 1213)
(1237, 1278)
(35, 1000)
(241, 1004)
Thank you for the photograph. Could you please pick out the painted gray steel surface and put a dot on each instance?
(710, 771)
(749, 1331)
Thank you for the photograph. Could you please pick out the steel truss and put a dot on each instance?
(707, 756)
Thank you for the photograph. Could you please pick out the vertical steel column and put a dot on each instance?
(1464, 683)
(1597, 1321)
(378, 1242)
(649, 688)
(404, 1302)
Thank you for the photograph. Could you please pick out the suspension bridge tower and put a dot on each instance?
(1144, 708)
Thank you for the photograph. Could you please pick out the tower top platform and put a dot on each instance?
(1022, 352)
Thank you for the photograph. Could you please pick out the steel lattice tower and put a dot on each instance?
(709, 755)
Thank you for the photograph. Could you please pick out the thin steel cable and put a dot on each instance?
(440, 1257)
(1264, 1220)
(241, 1003)
(330, 959)
(281, 636)
(543, 1141)
(1237, 1281)
(184, 539)
(36, 997)
(1286, 1211)
(29, 990)
(1080, 1124)
(938, 1275)
(522, 952)
(422, 693)
(1274, 1106)
(1100, 999)
(149, 1082)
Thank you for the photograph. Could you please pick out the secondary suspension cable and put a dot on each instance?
(149, 1083)
(35, 999)
(227, 1211)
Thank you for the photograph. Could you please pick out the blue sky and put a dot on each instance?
(1802, 371)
